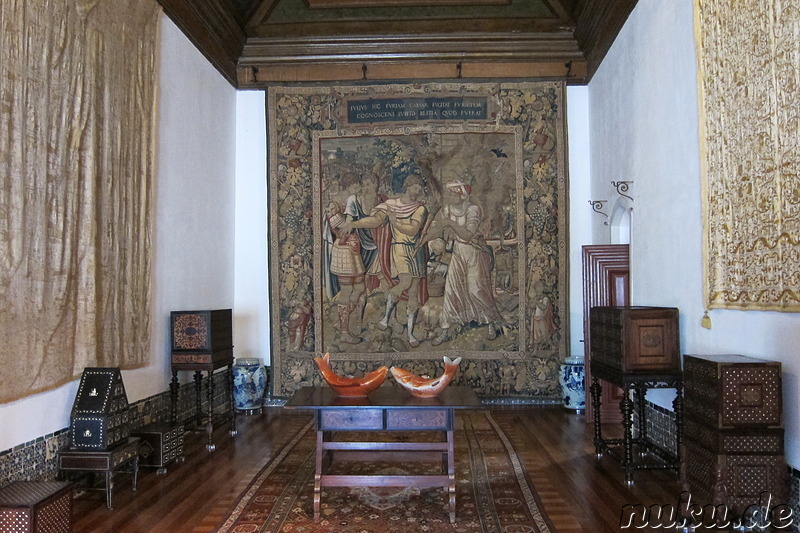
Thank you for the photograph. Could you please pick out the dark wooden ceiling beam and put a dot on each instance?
(260, 15)
(598, 24)
(336, 4)
(561, 11)
(213, 28)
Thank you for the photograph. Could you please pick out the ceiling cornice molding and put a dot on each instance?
(511, 46)
(387, 29)
(393, 71)
(505, 55)
(239, 40)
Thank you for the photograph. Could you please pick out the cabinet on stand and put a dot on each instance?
(202, 341)
(636, 349)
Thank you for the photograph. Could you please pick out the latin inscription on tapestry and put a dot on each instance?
(409, 222)
(415, 109)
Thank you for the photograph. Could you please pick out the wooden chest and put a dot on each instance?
(99, 417)
(733, 429)
(635, 339)
(36, 507)
(759, 441)
(161, 443)
(99, 460)
(733, 391)
(735, 480)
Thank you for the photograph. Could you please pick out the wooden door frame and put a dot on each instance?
(605, 266)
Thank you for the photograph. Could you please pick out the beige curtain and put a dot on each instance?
(749, 65)
(77, 103)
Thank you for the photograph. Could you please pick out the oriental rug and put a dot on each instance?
(493, 490)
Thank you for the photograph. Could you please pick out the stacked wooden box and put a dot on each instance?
(733, 431)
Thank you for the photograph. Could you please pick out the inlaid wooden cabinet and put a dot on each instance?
(161, 443)
(201, 338)
(733, 431)
(99, 417)
(635, 339)
(734, 391)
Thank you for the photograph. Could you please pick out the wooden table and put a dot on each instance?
(107, 461)
(638, 383)
(386, 409)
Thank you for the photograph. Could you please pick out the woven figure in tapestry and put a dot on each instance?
(407, 263)
(300, 316)
(347, 265)
(344, 271)
(468, 291)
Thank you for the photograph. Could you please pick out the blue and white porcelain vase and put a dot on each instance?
(573, 384)
(249, 384)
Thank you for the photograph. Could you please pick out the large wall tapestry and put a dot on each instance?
(749, 67)
(409, 222)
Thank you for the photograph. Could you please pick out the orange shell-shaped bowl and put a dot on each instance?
(351, 387)
(425, 387)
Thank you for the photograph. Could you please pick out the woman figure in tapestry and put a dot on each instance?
(406, 217)
(468, 292)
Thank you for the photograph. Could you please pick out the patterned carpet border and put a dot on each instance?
(494, 493)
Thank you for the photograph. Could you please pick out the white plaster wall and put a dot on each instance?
(644, 127)
(194, 224)
(251, 326)
(580, 212)
(195, 202)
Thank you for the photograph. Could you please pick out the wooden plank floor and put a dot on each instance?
(578, 492)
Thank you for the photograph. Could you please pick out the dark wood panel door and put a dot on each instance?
(606, 282)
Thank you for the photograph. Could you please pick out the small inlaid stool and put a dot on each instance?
(36, 507)
(108, 461)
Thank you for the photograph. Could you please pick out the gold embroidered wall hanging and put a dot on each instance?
(749, 82)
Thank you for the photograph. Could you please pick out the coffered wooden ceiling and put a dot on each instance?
(256, 42)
